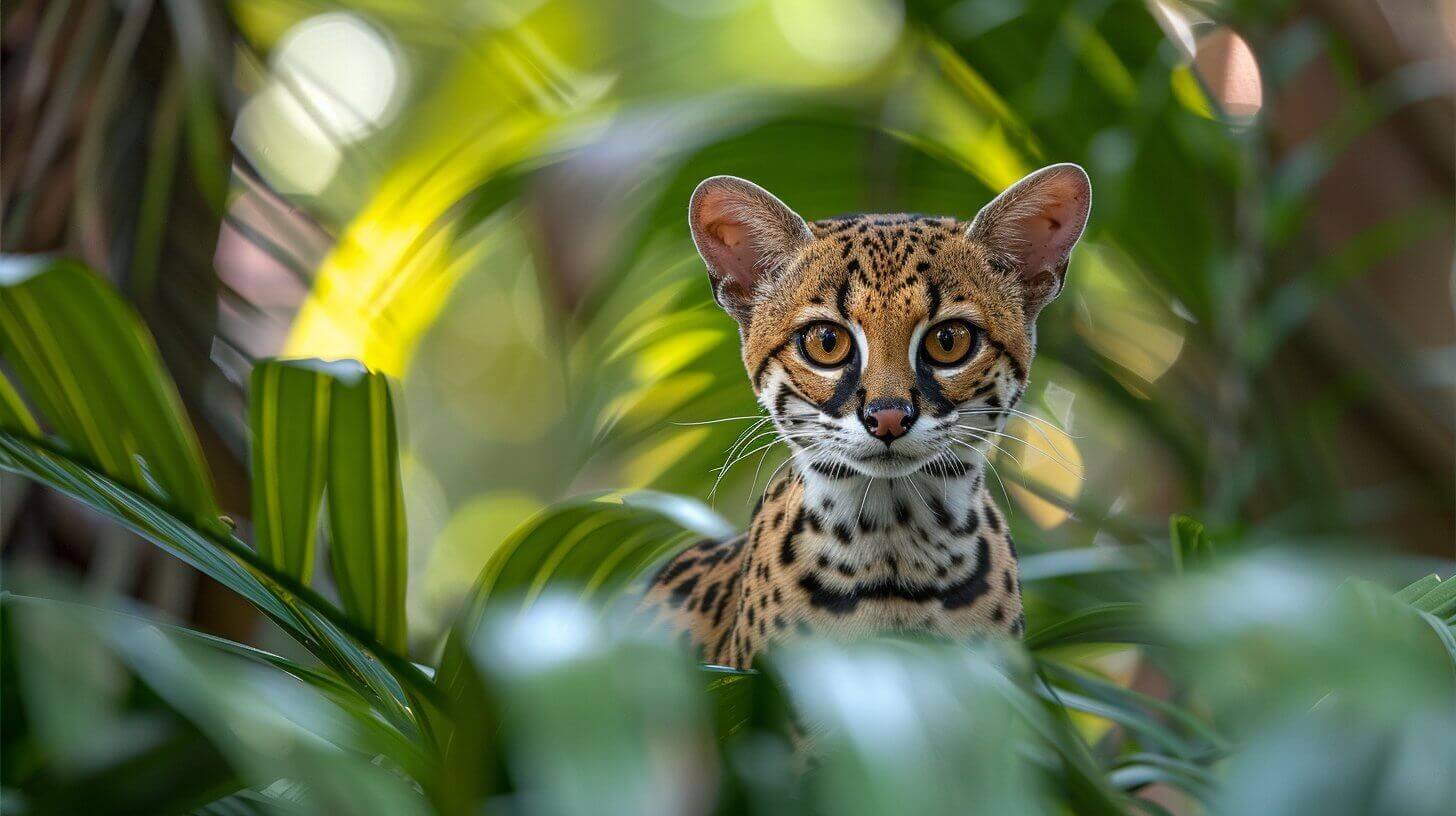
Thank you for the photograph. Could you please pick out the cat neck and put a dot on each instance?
(945, 505)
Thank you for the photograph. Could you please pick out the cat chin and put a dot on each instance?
(882, 466)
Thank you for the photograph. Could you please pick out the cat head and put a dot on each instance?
(880, 343)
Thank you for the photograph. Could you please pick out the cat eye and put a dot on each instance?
(949, 343)
(825, 344)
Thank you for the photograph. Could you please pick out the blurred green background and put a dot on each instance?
(486, 201)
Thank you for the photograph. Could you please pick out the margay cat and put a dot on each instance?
(888, 351)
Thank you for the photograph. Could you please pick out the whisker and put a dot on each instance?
(1020, 413)
(863, 500)
(910, 480)
(1052, 454)
(994, 472)
(994, 445)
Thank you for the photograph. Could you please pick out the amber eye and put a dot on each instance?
(949, 343)
(824, 344)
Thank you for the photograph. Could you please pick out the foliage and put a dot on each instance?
(558, 705)
(512, 271)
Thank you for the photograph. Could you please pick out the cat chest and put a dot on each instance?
(889, 585)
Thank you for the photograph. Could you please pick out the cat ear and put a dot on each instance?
(1033, 226)
(745, 235)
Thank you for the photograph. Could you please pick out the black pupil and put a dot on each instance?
(946, 338)
(828, 339)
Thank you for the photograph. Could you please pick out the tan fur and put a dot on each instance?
(859, 535)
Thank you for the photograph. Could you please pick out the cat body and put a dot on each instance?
(888, 352)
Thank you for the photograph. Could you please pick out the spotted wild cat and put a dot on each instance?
(888, 351)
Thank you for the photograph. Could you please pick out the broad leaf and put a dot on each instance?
(372, 669)
(592, 548)
(366, 505)
(289, 408)
(92, 370)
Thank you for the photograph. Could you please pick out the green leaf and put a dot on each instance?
(591, 547)
(1190, 542)
(366, 505)
(14, 416)
(1439, 600)
(1108, 623)
(1418, 588)
(92, 370)
(289, 412)
(375, 671)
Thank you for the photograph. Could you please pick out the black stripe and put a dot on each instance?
(845, 388)
(832, 470)
(762, 364)
(786, 549)
(1015, 366)
(929, 387)
(947, 466)
(966, 591)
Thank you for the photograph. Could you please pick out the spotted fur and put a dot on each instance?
(859, 535)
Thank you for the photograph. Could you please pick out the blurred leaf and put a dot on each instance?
(94, 373)
(366, 505)
(289, 405)
(14, 415)
(591, 548)
(596, 724)
(1191, 546)
(1438, 600)
(1107, 623)
(1418, 588)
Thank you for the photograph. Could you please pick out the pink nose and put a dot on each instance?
(888, 424)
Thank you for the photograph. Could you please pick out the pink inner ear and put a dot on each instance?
(738, 258)
(725, 241)
(1055, 222)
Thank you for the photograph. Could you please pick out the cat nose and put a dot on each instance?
(888, 419)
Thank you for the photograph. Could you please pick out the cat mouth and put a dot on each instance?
(888, 464)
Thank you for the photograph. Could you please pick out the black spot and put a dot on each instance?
(815, 522)
(778, 519)
(1008, 582)
(971, 524)
(938, 511)
(993, 520)
(902, 512)
(823, 562)
(846, 570)
(973, 586)
(709, 595)
(786, 549)
(779, 623)
(681, 592)
(674, 569)
(922, 266)
(843, 533)
(998, 614)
